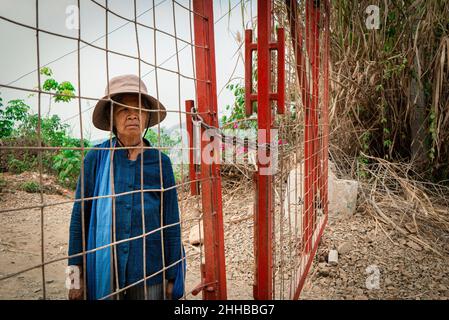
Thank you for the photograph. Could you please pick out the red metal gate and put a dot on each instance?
(301, 29)
(311, 154)
(302, 196)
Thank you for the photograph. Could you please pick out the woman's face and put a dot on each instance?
(126, 120)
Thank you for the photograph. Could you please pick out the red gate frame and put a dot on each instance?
(213, 271)
(263, 213)
(315, 162)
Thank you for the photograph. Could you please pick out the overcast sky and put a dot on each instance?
(18, 54)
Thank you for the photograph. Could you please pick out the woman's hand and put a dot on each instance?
(78, 294)
(169, 290)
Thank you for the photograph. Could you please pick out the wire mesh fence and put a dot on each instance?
(139, 200)
(300, 200)
(139, 180)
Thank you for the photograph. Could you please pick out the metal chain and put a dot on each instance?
(233, 139)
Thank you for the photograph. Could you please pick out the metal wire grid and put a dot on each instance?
(114, 195)
(294, 231)
(298, 221)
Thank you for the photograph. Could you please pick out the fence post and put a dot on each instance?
(214, 280)
(263, 289)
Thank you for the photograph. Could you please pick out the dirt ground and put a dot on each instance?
(405, 270)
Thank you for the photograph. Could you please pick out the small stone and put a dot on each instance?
(194, 237)
(411, 227)
(37, 290)
(414, 246)
(333, 257)
(49, 281)
(343, 276)
(407, 274)
(323, 281)
(344, 248)
(323, 273)
(388, 282)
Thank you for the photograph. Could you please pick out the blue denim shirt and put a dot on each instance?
(157, 206)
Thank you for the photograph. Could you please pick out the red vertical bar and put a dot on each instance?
(326, 104)
(192, 170)
(281, 71)
(214, 269)
(263, 220)
(316, 142)
(325, 107)
(248, 72)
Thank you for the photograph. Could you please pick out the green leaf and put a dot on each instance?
(50, 84)
(46, 71)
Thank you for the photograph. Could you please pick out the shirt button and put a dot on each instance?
(130, 186)
(128, 206)
(125, 249)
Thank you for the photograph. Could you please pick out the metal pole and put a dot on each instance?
(263, 219)
(214, 281)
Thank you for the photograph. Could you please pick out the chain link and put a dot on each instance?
(233, 139)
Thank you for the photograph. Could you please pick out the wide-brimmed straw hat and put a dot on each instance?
(126, 84)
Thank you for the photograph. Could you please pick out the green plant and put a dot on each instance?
(15, 112)
(178, 174)
(238, 113)
(53, 131)
(30, 186)
(362, 162)
(64, 91)
(164, 139)
(365, 140)
(67, 162)
(17, 126)
(18, 166)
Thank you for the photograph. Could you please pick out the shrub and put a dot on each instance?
(18, 127)
(30, 186)
(15, 112)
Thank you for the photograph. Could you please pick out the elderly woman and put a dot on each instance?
(107, 220)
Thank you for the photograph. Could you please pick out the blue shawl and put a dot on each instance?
(99, 266)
